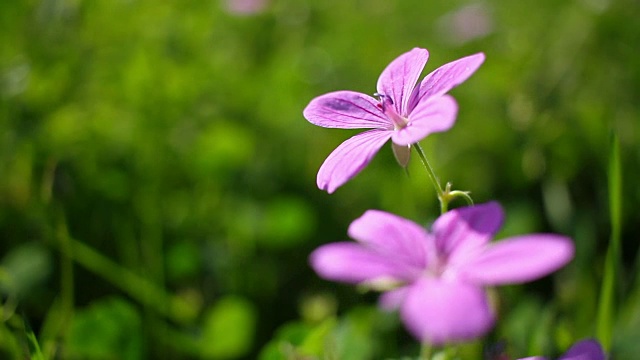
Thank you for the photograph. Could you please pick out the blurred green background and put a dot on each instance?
(157, 178)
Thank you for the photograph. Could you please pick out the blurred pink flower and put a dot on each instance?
(403, 112)
(437, 278)
(467, 23)
(582, 350)
(245, 7)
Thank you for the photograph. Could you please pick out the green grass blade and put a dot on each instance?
(606, 306)
(35, 353)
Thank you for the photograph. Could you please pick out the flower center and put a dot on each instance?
(437, 267)
(386, 104)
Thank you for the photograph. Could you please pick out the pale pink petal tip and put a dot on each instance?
(520, 259)
(352, 263)
(440, 311)
(399, 78)
(348, 159)
(448, 76)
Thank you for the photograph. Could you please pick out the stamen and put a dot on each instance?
(386, 104)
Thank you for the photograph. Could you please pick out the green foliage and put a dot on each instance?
(24, 268)
(228, 329)
(110, 328)
(157, 188)
(359, 334)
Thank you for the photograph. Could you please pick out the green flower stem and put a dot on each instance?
(463, 194)
(444, 196)
(444, 204)
(606, 305)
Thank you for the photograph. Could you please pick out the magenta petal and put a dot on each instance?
(462, 232)
(354, 263)
(439, 311)
(400, 77)
(393, 236)
(392, 300)
(348, 159)
(346, 110)
(519, 259)
(585, 350)
(446, 77)
(434, 115)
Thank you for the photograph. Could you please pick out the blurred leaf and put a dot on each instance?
(183, 260)
(223, 147)
(355, 336)
(9, 345)
(107, 329)
(283, 343)
(287, 222)
(229, 328)
(24, 268)
(316, 342)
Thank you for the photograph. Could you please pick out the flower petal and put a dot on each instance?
(584, 350)
(464, 231)
(439, 311)
(445, 78)
(400, 77)
(519, 259)
(354, 263)
(346, 110)
(392, 236)
(430, 116)
(392, 300)
(348, 159)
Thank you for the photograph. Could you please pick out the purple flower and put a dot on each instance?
(245, 7)
(582, 350)
(440, 275)
(402, 112)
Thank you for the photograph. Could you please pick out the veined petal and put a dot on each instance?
(354, 263)
(445, 78)
(349, 158)
(400, 77)
(440, 312)
(346, 110)
(518, 259)
(393, 236)
(462, 232)
(430, 116)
